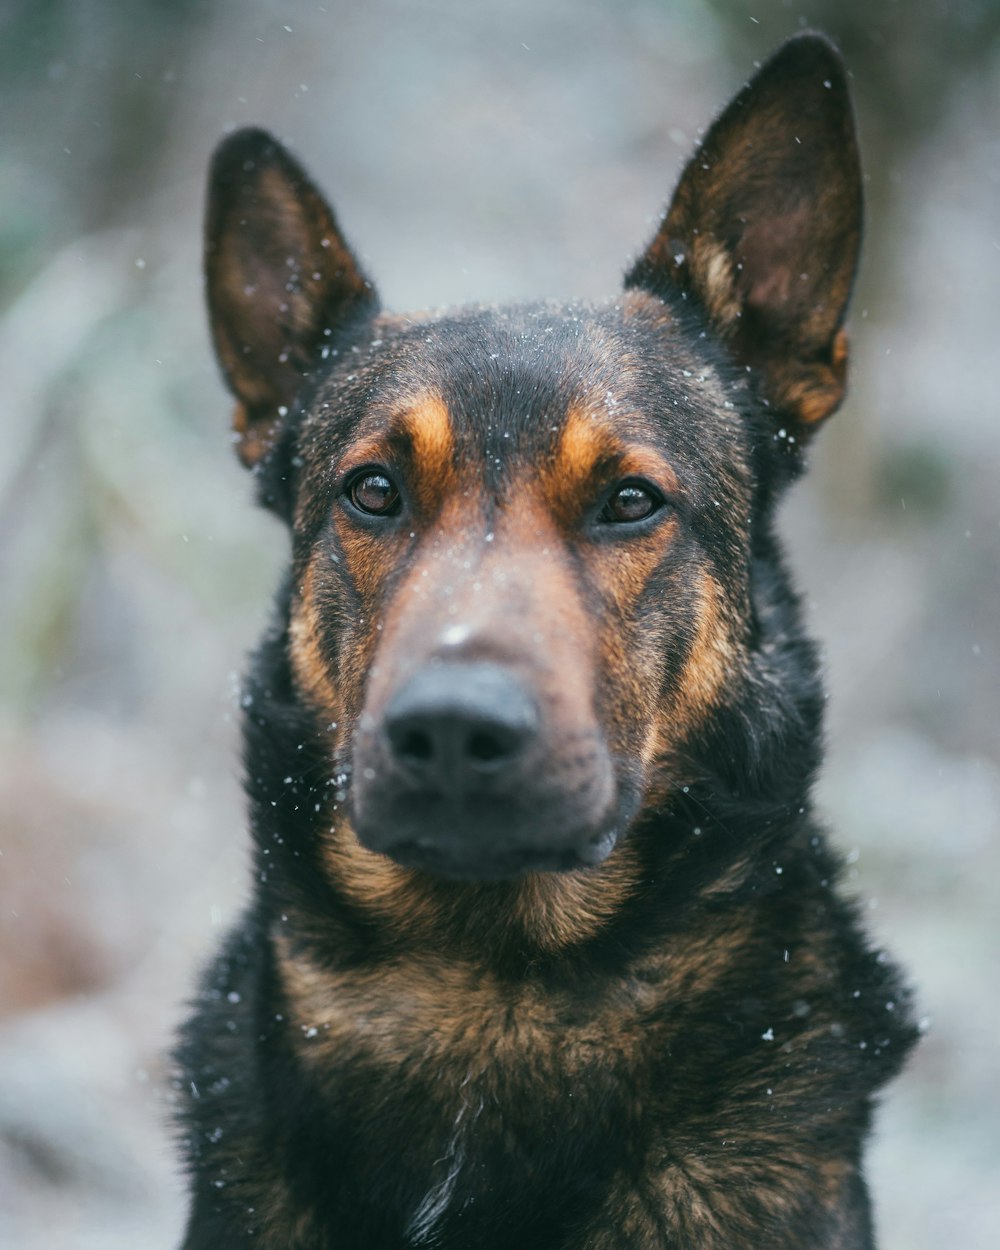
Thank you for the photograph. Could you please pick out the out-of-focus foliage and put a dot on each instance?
(472, 151)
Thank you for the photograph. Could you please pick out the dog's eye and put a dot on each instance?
(374, 493)
(632, 501)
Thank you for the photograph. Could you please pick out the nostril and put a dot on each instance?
(489, 748)
(415, 746)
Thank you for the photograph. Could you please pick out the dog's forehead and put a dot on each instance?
(506, 387)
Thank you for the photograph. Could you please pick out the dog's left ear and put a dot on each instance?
(280, 278)
(765, 226)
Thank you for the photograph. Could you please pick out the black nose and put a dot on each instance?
(457, 727)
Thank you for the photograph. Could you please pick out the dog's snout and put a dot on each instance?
(465, 773)
(454, 726)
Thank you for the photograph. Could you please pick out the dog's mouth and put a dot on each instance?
(460, 863)
(490, 836)
(465, 773)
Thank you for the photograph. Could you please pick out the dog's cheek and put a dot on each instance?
(331, 641)
(641, 628)
(310, 666)
(668, 658)
(710, 667)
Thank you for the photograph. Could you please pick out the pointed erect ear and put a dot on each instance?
(280, 278)
(765, 226)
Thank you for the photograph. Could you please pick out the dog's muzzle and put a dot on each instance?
(460, 776)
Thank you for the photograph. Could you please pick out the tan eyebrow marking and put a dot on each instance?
(427, 426)
(644, 462)
(587, 444)
(583, 445)
(420, 436)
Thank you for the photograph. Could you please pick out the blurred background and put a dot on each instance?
(473, 151)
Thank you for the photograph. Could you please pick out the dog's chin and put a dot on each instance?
(461, 863)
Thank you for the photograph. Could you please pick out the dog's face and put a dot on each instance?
(524, 539)
(513, 530)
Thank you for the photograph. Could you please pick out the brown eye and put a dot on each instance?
(374, 493)
(631, 502)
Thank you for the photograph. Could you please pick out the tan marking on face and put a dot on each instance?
(627, 675)
(561, 910)
(713, 656)
(428, 424)
(711, 659)
(364, 551)
(588, 453)
(583, 444)
(372, 450)
(646, 463)
(423, 421)
(379, 887)
(587, 443)
(515, 598)
(311, 671)
(550, 912)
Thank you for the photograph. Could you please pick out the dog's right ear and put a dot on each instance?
(280, 279)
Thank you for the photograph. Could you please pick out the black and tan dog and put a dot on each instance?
(546, 949)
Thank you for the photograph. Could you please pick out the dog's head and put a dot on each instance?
(532, 547)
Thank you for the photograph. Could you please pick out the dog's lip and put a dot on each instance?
(597, 850)
(517, 861)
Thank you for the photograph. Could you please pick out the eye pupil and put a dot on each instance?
(631, 503)
(375, 494)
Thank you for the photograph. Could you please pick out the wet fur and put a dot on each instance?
(678, 1047)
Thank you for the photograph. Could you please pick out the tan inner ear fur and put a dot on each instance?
(712, 266)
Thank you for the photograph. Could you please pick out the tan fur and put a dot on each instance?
(712, 265)
(766, 1179)
(712, 658)
(456, 1015)
(428, 424)
(549, 912)
(812, 392)
(587, 441)
(638, 304)
(312, 673)
(254, 437)
(583, 444)
(561, 910)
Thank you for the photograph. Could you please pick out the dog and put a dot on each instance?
(546, 948)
